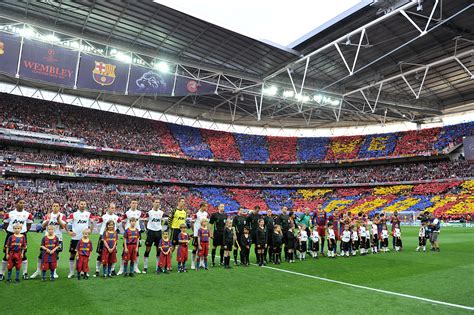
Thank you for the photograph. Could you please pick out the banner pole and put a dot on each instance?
(17, 75)
(128, 75)
(77, 64)
(174, 83)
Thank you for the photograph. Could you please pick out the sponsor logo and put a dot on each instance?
(81, 221)
(192, 86)
(104, 73)
(18, 221)
(151, 82)
(156, 220)
(50, 56)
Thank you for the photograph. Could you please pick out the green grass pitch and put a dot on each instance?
(447, 276)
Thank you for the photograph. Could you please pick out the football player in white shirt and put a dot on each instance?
(385, 239)
(79, 221)
(197, 219)
(375, 238)
(108, 216)
(315, 241)
(57, 220)
(355, 240)
(363, 239)
(331, 241)
(154, 228)
(303, 240)
(346, 239)
(422, 238)
(17, 216)
(397, 234)
(133, 212)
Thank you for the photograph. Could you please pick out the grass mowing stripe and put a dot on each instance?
(372, 289)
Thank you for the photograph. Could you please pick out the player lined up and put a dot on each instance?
(268, 234)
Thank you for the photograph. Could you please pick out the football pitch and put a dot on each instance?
(389, 283)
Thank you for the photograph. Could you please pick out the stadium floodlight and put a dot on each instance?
(52, 38)
(318, 98)
(272, 90)
(162, 67)
(113, 52)
(326, 100)
(123, 57)
(302, 98)
(288, 93)
(75, 45)
(26, 32)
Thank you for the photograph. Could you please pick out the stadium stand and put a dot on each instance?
(139, 135)
(75, 165)
(453, 201)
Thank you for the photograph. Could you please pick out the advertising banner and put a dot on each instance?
(469, 148)
(185, 86)
(9, 51)
(99, 73)
(148, 81)
(50, 63)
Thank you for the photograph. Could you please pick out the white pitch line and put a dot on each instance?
(373, 289)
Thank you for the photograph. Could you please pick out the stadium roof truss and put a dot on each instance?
(387, 61)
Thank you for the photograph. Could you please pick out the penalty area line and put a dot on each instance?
(373, 289)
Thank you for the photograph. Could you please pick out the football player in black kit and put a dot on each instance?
(252, 223)
(283, 220)
(238, 223)
(261, 242)
(245, 243)
(229, 239)
(269, 227)
(218, 223)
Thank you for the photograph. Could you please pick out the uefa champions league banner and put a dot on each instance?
(103, 74)
(9, 51)
(45, 62)
(468, 143)
(147, 81)
(186, 86)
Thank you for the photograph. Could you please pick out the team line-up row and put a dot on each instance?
(268, 234)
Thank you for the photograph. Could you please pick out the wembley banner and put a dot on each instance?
(468, 143)
(50, 63)
(99, 73)
(9, 52)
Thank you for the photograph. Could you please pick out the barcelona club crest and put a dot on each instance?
(103, 73)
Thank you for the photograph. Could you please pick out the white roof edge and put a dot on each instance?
(331, 22)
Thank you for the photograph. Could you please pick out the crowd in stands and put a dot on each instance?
(178, 172)
(39, 195)
(118, 131)
(446, 200)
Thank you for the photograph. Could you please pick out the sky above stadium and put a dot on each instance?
(278, 21)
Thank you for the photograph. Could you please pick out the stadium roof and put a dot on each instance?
(379, 62)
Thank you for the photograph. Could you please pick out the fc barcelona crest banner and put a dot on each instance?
(9, 50)
(49, 63)
(99, 73)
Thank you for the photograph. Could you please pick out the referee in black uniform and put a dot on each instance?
(238, 223)
(218, 223)
(252, 223)
(269, 226)
(284, 221)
